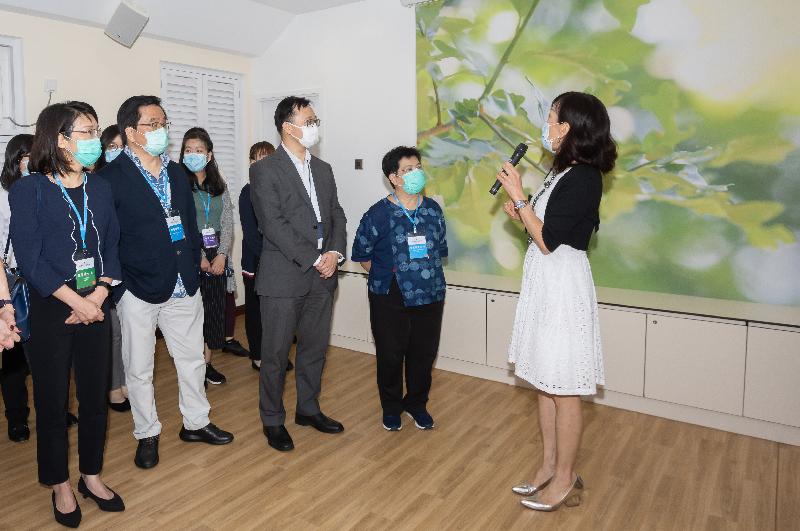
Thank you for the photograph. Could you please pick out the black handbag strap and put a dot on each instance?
(8, 244)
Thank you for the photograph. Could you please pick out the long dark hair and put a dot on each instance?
(46, 156)
(16, 149)
(214, 184)
(589, 138)
(109, 134)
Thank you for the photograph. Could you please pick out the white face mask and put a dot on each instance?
(310, 135)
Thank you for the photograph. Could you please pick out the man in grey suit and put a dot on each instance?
(295, 200)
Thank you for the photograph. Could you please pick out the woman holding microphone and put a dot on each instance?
(555, 342)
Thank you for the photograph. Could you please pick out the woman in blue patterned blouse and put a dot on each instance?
(401, 242)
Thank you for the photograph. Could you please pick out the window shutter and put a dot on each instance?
(181, 97)
(222, 105)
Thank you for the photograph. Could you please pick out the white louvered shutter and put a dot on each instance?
(222, 110)
(181, 95)
(212, 100)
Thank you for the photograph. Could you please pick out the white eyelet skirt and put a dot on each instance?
(555, 343)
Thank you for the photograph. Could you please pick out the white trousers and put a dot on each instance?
(181, 322)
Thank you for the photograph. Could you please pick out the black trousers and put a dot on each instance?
(252, 317)
(54, 348)
(12, 384)
(404, 334)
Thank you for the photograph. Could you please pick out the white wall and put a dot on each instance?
(361, 59)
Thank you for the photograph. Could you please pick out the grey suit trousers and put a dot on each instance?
(309, 316)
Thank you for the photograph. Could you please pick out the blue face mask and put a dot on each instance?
(88, 151)
(195, 161)
(111, 154)
(24, 170)
(414, 181)
(546, 142)
(157, 141)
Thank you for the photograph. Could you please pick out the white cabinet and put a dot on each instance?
(464, 326)
(351, 308)
(500, 313)
(772, 386)
(623, 335)
(696, 362)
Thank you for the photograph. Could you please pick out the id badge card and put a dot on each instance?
(175, 226)
(85, 277)
(417, 246)
(209, 238)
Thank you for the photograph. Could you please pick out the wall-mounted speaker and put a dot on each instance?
(127, 23)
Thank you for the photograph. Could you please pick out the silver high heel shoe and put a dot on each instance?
(528, 489)
(570, 499)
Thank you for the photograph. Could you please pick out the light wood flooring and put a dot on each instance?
(642, 472)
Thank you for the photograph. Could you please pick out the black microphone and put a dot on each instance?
(514, 160)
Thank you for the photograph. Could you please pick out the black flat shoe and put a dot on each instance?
(278, 437)
(114, 505)
(209, 434)
(122, 407)
(19, 432)
(289, 366)
(71, 419)
(147, 452)
(319, 422)
(72, 519)
(234, 347)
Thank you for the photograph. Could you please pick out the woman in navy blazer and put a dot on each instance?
(65, 232)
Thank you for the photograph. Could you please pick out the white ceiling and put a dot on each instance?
(246, 27)
(305, 6)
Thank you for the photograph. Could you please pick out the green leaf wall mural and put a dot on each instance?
(703, 98)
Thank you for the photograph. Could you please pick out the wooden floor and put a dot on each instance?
(642, 472)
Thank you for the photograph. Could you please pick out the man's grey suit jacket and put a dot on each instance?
(289, 227)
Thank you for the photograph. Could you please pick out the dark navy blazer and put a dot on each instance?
(43, 231)
(251, 236)
(150, 260)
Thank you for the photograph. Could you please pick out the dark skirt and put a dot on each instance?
(213, 288)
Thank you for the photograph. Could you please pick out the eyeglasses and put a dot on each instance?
(155, 125)
(94, 133)
(310, 122)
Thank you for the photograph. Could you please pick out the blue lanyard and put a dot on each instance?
(166, 197)
(206, 205)
(81, 221)
(405, 210)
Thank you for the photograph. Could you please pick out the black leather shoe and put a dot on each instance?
(71, 419)
(234, 347)
(289, 366)
(122, 407)
(114, 505)
(72, 519)
(147, 452)
(319, 422)
(18, 432)
(278, 437)
(209, 434)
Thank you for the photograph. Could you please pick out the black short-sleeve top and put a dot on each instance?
(573, 210)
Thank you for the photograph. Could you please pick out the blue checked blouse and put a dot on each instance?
(382, 238)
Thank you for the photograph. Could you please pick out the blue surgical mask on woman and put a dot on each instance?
(24, 168)
(111, 154)
(414, 181)
(546, 142)
(88, 151)
(195, 161)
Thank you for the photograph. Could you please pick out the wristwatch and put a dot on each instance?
(520, 204)
(104, 284)
(6, 302)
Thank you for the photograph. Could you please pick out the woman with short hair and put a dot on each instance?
(555, 342)
(65, 234)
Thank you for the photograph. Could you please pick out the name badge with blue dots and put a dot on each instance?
(417, 246)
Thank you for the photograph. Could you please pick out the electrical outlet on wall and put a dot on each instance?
(50, 85)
